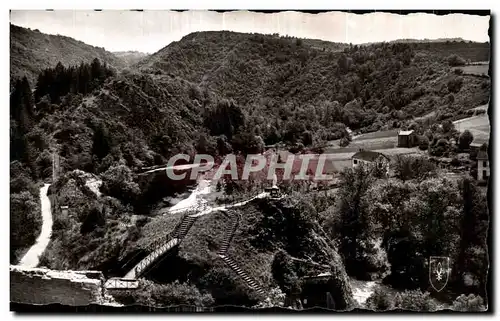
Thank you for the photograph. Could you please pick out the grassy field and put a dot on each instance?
(158, 227)
(475, 69)
(482, 107)
(479, 126)
(379, 134)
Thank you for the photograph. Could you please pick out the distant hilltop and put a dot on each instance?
(130, 57)
(433, 40)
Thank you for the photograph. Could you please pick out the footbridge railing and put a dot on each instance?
(153, 256)
(119, 283)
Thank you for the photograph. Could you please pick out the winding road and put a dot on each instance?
(32, 257)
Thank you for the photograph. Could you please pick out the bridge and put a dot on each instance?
(165, 244)
(156, 250)
(183, 167)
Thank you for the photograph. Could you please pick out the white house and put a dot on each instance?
(483, 166)
(371, 158)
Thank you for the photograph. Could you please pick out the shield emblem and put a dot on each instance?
(439, 271)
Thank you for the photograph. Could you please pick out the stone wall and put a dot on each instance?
(44, 286)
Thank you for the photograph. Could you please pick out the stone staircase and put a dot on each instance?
(228, 236)
(249, 280)
(186, 224)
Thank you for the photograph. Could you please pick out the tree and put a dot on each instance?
(455, 60)
(223, 146)
(423, 142)
(272, 135)
(408, 167)
(206, 144)
(26, 222)
(465, 140)
(415, 300)
(22, 118)
(380, 300)
(22, 104)
(97, 71)
(440, 148)
(469, 303)
(307, 138)
(225, 118)
(343, 63)
(345, 141)
(93, 219)
(118, 182)
(473, 229)
(352, 206)
(284, 274)
(448, 126)
(248, 143)
(455, 84)
(101, 142)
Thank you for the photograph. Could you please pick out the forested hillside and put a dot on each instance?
(32, 51)
(289, 87)
(223, 92)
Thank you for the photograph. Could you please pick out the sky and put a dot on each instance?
(150, 30)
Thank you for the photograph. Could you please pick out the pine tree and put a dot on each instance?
(22, 113)
(101, 142)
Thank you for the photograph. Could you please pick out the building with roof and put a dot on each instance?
(483, 165)
(370, 158)
(475, 146)
(274, 191)
(407, 138)
(317, 291)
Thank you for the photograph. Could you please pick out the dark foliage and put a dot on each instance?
(284, 274)
(59, 81)
(465, 140)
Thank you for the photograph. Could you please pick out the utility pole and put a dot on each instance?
(55, 166)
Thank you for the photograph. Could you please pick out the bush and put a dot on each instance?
(283, 273)
(380, 300)
(408, 167)
(423, 142)
(455, 60)
(118, 182)
(465, 140)
(455, 84)
(345, 141)
(275, 298)
(415, 300)
(470, 303)
(94, 218)
(372, 260)
(164, 295)
(448, 126)
(25, 222)
(440, 148)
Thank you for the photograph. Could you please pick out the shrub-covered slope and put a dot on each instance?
(282, 79)
(32, 51)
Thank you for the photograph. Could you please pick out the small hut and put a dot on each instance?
(406, 138)
(274, 190)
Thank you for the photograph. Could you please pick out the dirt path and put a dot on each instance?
(362, 290)
(31, 259)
